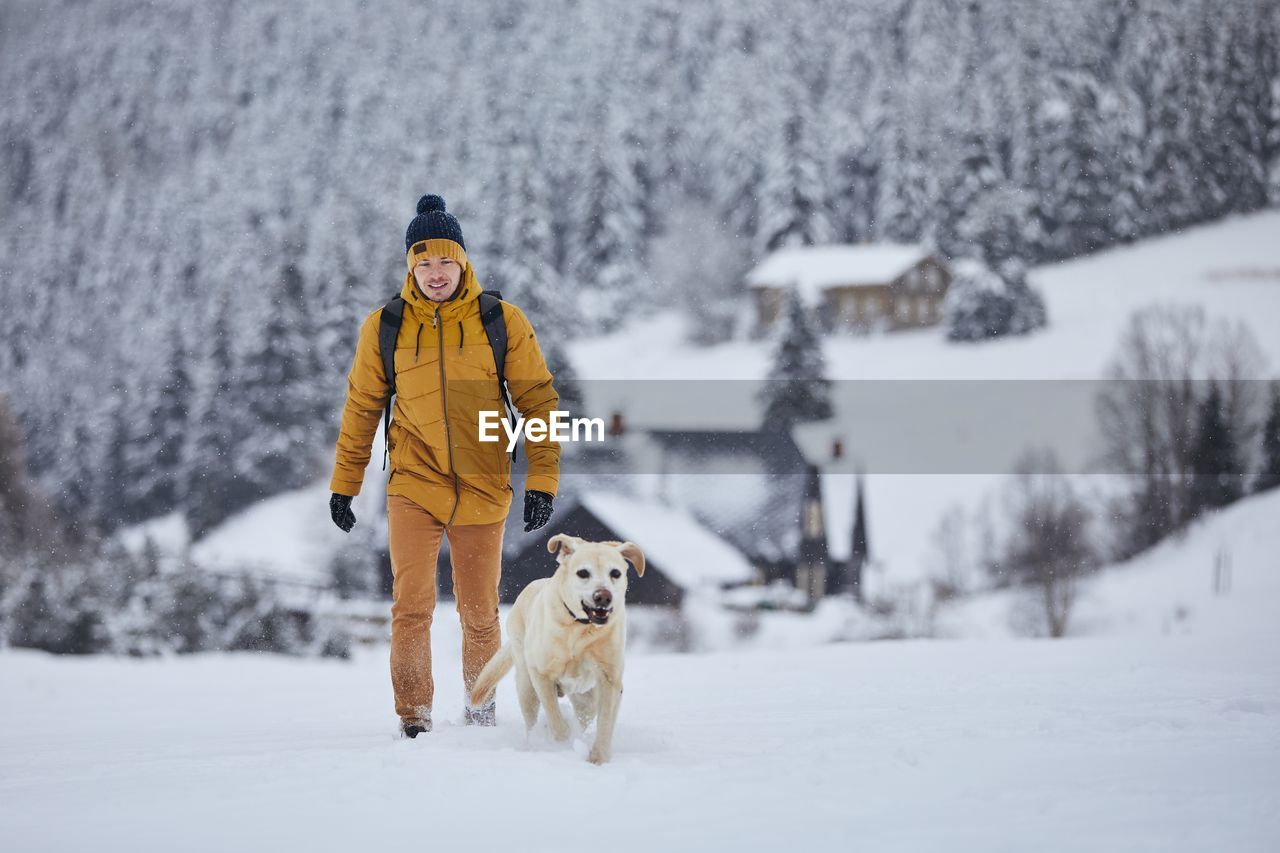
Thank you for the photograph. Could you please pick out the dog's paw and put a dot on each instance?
(559, 731)
(598, 755)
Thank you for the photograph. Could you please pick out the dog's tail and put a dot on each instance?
(497, 667)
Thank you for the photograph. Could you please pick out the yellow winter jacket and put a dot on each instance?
(445, 376)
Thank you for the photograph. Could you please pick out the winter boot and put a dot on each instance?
(421, 724)
(485, 715)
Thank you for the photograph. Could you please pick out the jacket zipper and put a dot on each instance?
(444, 403)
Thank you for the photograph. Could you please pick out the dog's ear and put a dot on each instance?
(632, 554)
(564, 543)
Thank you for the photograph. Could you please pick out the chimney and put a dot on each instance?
(616, 425)
(837, 449)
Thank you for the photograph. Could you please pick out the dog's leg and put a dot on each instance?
(528, 696)
(584, 706)
(609, 697)
(546, 690)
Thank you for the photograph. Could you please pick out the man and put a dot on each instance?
(444, 480)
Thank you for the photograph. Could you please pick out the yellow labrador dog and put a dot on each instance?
(565, 637)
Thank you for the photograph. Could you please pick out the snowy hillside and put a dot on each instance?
(1169, 744)
(1167, 590)
(288, 536)
(1232, 268)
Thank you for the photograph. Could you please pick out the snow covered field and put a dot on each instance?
(1159, 730)
(1090, 744)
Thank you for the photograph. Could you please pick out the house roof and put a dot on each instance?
(812, 269)
(814, 440)
(743, 485)
(714, 442)
(689, 554)
(759, 513)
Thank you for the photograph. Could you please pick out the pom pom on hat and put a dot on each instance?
(430, 202)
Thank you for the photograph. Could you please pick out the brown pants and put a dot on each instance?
(476, 553)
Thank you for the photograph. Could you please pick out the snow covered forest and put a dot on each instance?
(202, 200)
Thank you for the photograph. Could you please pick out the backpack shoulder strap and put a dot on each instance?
(495, 329)
(388, 330)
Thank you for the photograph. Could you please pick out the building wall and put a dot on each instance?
(858, 307)
(769, 302)
(918, 295)
(912, 300)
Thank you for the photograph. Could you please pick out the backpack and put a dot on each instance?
(495, 329)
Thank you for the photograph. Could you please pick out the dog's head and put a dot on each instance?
(592, 576)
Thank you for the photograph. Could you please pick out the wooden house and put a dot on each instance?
(852, 288)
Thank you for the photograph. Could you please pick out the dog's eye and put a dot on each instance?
(615, 574)
(583, 573)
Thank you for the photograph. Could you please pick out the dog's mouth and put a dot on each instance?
(597, 615)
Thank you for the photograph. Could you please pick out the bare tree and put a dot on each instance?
(986, 542)
(1237, 363)
(1048, 546)
(953, 554)
(1147, 410)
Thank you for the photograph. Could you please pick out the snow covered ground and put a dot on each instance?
(1152, 743)
(1159, 730)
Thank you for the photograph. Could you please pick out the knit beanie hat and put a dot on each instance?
(434, 232)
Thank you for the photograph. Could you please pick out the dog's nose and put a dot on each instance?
(602, 598)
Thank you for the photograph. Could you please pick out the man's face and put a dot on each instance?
(437, 277)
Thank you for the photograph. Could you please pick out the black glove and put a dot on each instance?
(340, 511)
(537, 509)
